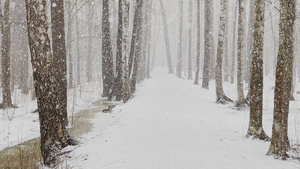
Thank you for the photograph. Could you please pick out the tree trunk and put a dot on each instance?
(208, 42)
(190, 41)
(198, 44)
(117, 87)
(45, 80)
(167, 42)
(5, 58)
(179, 59)
(60, 56)
(226, 51)
(232, 71)
(89, 60)
(221, 97)
(284, 77)
(78, 72)
(107, 58)
(241, 102)
(256, 83)
(149, 34)
(138, 44)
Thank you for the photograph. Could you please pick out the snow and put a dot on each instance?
(172, 124)
(21, 124)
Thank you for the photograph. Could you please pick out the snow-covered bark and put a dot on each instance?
(221, 97)
(284, 77)
(256, 83)
(241, 102)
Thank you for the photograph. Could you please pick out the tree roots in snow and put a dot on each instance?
(7, 106)
(258, 134)
(223, 99)
(241, 104)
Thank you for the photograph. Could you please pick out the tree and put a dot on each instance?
(5, 57)
(60, 56)
(179, 59)
(256, 83)
(45, 81)
(89, 60)
(284, 77)
(117, 87)
(208, 42)
(138, 43)
(198, 45)
(107, 58)
(190, 41)
(234, 43)
(241, 102)
(221, 97)
(167, 42)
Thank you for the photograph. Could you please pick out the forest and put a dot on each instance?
(150, 84)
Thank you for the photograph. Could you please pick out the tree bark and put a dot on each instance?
(107, 58)
(5, 57)
(196, 82)
(208, 43)
(138, 44)
(232, 71)
(45, 81)
(221, 97)
(190, 41)
(256, 83)
(283, 83)
(179, 59)
(60, 56)
(241, 102)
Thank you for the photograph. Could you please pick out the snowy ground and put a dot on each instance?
(19, 125)
(173, 124)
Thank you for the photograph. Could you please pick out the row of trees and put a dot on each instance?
(284, 69)
(53, 63)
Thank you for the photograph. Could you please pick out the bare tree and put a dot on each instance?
(107, 58)
(167, 42)
(45, 81)
(190, 40)
(198, 44)
(256, 84)
(221, 97)
(284, 77)
(179, 59)
(5, 57)
(241, 102)
(232, 71)
(138, 43)
(208, 40)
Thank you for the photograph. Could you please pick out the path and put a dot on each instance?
(173, 124)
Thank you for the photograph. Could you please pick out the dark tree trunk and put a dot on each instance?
(198, 44)
(284, 77)
(138, 44)
(117, 87)
(167, 42)
(45, 81)
(107, 58)
(256, 84)
(60, 56)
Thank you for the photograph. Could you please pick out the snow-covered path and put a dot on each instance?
(173, 124)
